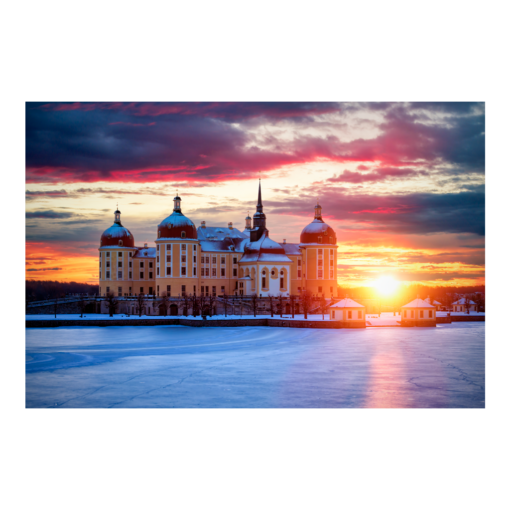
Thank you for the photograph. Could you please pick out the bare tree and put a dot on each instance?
(225, 304)
(271, 304)
(292, 301)
(477, 298)
(185, 304)
(280, 304)
(306, 302)
(194, 305)
(211, 303)
(140, 303)
(112, 303)
(254, 303)
(165, 302)
(323, 306)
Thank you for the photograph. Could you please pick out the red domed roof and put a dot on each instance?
(117, 235)
(175, 225)
(318, 232)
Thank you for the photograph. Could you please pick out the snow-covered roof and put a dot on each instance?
(176, 219)
(264, 250)
(316, 227)
(347, 303)
(463, 301)
(149, 253)
(434, 302)
(291, 248)
(227, 244)
(418, 303)
(117, 230)
(219, 233)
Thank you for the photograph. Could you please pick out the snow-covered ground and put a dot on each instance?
(258, 367)
(103, 316)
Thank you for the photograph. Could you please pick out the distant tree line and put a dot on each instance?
(38, 290)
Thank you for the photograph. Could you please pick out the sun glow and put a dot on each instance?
(386, 285)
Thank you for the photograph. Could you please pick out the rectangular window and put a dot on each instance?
(157, 259)
(281, 283)
(183, 271)
(150, 290)
(119, 275)
(430, 314)
(107, 253)
(331, 253)
(194, 247)
(202, 272)
(168, 287)
(349, 314)
(206, 271)
(107, 274)
(119, 254)
(421, 314)
(119, 263)
(214, 291)
(141, 275)
(206, 290)
(320, 273)
(214, 271)
(150, 275)
(330, 262)
(320, 289)
(222, 271)
(235, 272)
(320, 251)
(320, 263)
(299, 273)
(99, 262)
(183, 247)
(207, 260)
(194, 271)
(141, 290)
(264, 282)
(202, 290)
(130, 275)
(107, 263)
(150, 264)
(168, 271)
(235, 260)
(194, 259)
(223, 290)
(359, 314)
(141, 265)
(130, 263)
(332, 314)
(223, 260)
(299, 263)
(214, 260)
(168, 247)
(203, 260)
(183, 289)
(183, 258)
(331, 274)
(107, 289)
(157, 247)
(169, 258)
(158, 289)
(119, 291)
(130, 253)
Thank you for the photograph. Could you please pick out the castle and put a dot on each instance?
(217, 260)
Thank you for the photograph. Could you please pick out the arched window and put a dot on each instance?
(120, 242)
(183, 234)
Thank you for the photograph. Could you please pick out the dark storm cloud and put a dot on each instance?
(49, 214)
(414, 213)
(146, 142)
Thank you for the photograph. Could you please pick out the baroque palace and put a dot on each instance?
(217, 260)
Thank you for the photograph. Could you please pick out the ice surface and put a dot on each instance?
(260, 367)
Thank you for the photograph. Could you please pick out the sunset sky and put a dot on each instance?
(403, 184)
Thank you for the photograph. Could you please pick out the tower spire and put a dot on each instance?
(259, 203)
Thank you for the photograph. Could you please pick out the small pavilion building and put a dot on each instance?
(418, 313)
(464, 305)
(437, 304)
(349, 313)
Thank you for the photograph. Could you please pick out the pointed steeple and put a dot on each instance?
(259, 219)
(259, 203)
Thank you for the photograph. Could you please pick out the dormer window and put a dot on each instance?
(120, 242)
(183, 234)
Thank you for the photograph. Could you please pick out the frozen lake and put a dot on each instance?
(178, 366)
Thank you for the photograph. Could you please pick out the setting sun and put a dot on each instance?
(386, 285)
